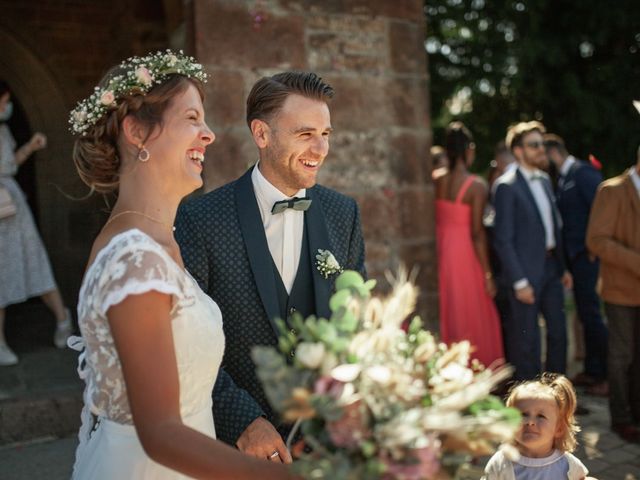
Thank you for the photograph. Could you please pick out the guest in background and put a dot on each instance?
(503, 160)
(613, 234)
(528, 241)
(577, 185)
(466, 285)
(438, 158)
(25, 271)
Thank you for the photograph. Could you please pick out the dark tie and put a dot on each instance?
(300, 204)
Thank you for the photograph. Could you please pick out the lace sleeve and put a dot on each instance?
(138, 268)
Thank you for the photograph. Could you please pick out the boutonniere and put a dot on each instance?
(327, 264)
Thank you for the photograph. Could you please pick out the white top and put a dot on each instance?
(133, 263)
(633, 173)
(566, 166)
(284, 230)
(558, 465)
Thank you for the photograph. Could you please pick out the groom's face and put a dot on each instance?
(297, 142)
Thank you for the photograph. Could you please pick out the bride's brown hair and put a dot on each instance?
(96, 154)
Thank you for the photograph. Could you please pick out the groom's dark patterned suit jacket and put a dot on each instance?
(224, 247)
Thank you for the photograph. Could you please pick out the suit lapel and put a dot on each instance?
(568, 178)
(525, 187)
(256, 245)
(318, 239)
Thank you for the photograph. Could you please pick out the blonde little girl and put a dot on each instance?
(547, 435)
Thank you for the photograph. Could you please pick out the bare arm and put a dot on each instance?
(479, 195)
(141, 329)
(38, 142)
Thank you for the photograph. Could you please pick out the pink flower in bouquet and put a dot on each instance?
(420, 463)
(350, 429)
(327, 385)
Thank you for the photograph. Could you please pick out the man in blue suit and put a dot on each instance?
(528, 242)
(252, 246)
(577, 186)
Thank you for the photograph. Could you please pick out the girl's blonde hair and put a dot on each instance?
(561, 390)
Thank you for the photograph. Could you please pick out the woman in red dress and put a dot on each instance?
(466, 286)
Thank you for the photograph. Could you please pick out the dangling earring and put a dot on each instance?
(143, 154)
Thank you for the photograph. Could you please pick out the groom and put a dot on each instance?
(252, 246)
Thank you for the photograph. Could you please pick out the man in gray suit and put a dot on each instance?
(252, 246)
(528, 242)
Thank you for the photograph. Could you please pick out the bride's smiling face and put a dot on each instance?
(179, 144)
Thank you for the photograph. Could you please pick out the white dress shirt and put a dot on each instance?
(635, 178)
(542, 202)
(566, 166)
(283, 230)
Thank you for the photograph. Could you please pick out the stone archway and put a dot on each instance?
(43, 100)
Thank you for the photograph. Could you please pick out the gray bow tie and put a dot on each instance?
(300, 204)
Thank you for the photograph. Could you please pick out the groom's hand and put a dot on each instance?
(261, 439)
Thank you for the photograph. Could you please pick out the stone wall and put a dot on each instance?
(373, 55)
(371, 51)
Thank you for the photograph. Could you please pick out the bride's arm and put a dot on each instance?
(141, 328)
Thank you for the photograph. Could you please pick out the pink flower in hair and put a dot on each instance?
(107, 98)
(144, 76)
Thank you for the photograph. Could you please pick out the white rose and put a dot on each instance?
(347, 372)
(171, 60)
(331, 261)
(310, 354)
(80, 116)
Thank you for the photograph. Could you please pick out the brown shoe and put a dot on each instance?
(627, 431)
(600, 389)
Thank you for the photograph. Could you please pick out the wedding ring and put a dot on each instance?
(274, 454)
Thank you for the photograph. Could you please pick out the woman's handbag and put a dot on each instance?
(7, 205)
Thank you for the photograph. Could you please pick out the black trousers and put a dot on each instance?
(624, 363)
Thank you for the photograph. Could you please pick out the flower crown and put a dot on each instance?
(139, 75)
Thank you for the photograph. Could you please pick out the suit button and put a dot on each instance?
(292, 310)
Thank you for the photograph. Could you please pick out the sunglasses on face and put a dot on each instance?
(534, 144)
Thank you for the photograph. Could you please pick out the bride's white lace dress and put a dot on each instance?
(133, 263)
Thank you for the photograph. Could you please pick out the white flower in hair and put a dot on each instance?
(140, 74)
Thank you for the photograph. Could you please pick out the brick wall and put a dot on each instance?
(372, 53)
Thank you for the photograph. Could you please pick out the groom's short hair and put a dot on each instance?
(269, 93)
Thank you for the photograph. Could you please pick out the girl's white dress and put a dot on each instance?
(557, 466)
(133, 263)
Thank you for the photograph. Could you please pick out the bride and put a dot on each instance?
(153, 340)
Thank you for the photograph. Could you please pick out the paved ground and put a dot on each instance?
(45, 380)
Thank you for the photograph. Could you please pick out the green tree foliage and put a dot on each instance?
(573, 64)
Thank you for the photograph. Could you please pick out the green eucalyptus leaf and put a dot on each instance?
(347, 323)
(339, 300)
(348, 279)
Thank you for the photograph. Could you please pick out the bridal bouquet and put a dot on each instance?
(376, 401)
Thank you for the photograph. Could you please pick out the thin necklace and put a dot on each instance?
(168, 225)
